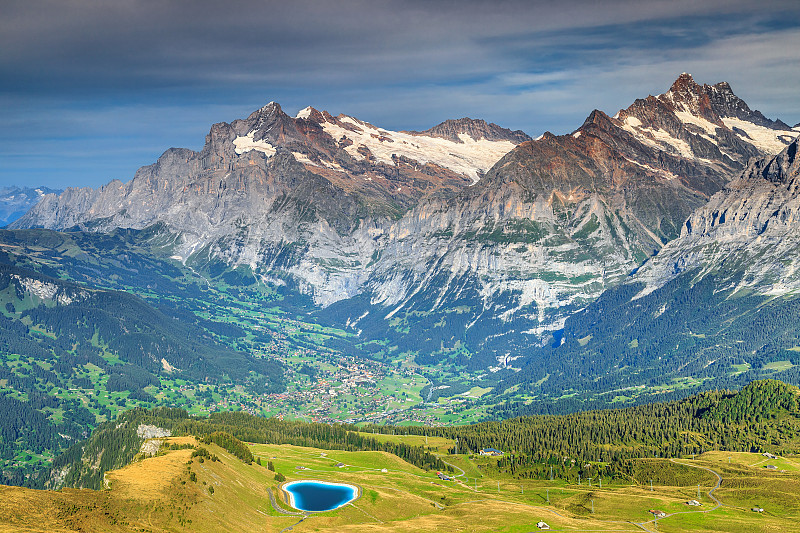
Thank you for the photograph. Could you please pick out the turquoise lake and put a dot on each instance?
(319, 495)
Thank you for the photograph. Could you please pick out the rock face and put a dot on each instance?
(749, 232)
(713, 308)
(445, 233)
(145, 431)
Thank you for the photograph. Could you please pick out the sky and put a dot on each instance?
(90, 90)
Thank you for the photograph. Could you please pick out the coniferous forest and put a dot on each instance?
(764, 416)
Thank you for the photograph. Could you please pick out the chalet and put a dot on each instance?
(443, 476)
(758, 510)
(771, 467)
(493, 452)
(694, 503)
(657, 513)
(543, 525)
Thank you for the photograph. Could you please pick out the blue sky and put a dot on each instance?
(90, 90)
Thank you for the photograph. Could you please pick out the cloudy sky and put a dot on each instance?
(92, 89)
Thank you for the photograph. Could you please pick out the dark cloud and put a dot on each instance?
(93, 89)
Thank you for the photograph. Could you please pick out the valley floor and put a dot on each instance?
(174, 491)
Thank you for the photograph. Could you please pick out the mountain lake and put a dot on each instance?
(317, 496)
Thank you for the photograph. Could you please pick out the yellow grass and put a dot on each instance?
(167, 493)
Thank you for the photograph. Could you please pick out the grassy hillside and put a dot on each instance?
(174, 491)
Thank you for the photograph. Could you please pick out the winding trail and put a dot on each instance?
(366, 513)
(281, 509)
(289, 528)
(455, 467)
(710, 493)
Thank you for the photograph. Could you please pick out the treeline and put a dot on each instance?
(230, 443)
(45, 346)
(764, 416)
(130, 328)
(115, 443)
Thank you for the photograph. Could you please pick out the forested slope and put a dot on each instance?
(764, 416)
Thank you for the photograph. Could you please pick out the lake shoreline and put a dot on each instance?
(290, 496)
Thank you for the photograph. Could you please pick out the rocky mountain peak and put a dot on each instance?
(685, 87)
(15, 201)
(596, 118)
(393, 221)
(686, 95)
(727, 105)
(474, 128)
(310, 114)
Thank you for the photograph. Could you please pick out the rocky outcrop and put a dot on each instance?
(149, 431)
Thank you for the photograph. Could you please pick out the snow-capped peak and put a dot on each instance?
(305, 112)
(466, 156)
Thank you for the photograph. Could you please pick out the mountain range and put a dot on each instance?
(16, 201)
(319, 266)
(466, 242)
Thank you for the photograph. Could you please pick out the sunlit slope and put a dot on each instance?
(175, 491)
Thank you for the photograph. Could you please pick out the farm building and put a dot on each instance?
(491, 451)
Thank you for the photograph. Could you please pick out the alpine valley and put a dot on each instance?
(321, 268)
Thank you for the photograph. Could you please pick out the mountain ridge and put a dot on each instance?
(519, 235)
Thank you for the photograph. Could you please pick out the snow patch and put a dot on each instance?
(689, 118)
(247, 143)
(656, 138)
(303, 158)
(305, 112)
(765, 139)
(681, 146)
(633, 122)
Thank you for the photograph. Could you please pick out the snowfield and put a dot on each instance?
(467, 157)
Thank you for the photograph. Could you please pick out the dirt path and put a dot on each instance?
(643, 525)
(281, 509)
